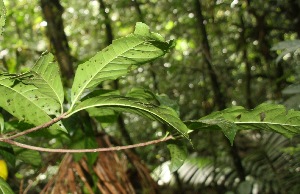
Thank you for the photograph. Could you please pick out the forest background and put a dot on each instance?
(226, 53)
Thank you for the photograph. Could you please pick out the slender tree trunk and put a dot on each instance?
(219, 97)
(248, 77)
(53, 11)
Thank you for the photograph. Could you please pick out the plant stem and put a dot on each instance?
(45, 125)
(9, 141)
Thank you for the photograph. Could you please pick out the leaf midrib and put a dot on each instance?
(85, 84)
(123, 105)
(56, 94)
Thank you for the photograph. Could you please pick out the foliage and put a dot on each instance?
(177, 85)
(270, 117)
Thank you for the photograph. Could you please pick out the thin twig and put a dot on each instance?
(45, 125)
(85, 150)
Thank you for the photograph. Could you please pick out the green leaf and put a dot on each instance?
(5, 188)
(178, 153)
(26, 103)
(122, 56)
(103, 115)
(7, 153)
(47, 78)
(28, 156)
(264, 117)
(133, 105)
(2, 16)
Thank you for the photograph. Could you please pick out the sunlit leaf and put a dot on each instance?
(122, 56)
(133, 105)
(26, 103)
(47, 78)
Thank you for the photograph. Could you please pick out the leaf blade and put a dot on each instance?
(27, 104)
(119, 103)
(48, 82)
(117, 59)
(264, 117)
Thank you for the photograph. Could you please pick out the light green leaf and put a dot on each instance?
(26, 103)
(5, 188)
(133, 105)
(47, 78)
(178, 153)
(122, 56)
(2, 16)
(264, 117)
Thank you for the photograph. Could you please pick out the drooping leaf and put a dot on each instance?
(5, 188)
(47, 78)
(133, 105)
(178, 153)
(104, 116)
(2, 16)
(26, 103)
(122, 56)
(264, 117)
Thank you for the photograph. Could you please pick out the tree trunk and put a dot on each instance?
(52, 11)
(219, 97)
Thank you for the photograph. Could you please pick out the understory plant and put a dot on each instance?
(43, 107)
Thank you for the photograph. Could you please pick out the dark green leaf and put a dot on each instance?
(5, 188)
(28, 156)
(178, 153)
(264, 117)
(133, 105)
(7, 153)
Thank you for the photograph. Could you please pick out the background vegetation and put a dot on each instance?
(226, 54)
